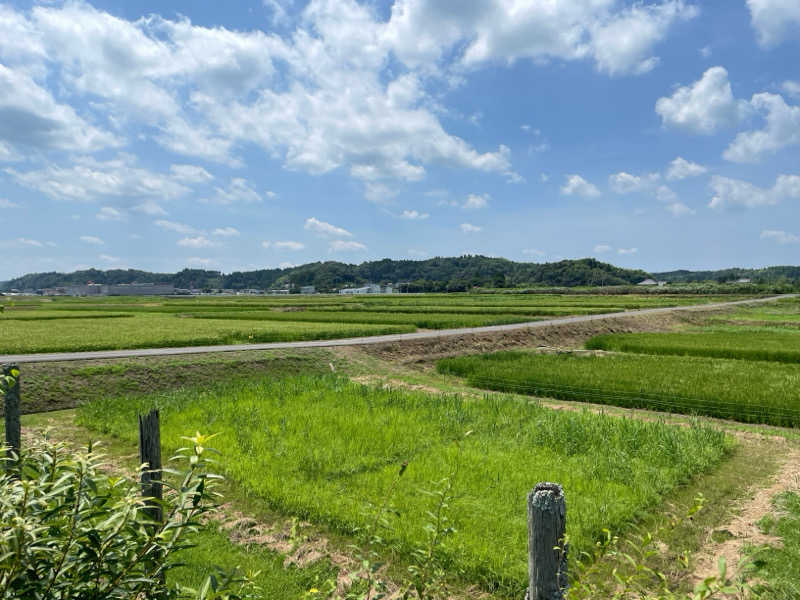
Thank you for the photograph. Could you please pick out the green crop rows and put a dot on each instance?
(324, 449)
(747, 391)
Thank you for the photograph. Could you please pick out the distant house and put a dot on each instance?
(308, 289)
(370, 288)
(648, 282)
(744, 280)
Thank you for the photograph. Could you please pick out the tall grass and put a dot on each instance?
(321, 448)
(756, 392)
(782, 345)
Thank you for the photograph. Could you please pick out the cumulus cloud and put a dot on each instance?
(704, 107)
(779, 236)
(623, 251)
(175, 226)
(226, 231)
(414, 215)
(190, 173)
(774, 20)
(792, 88)
(108, 258)
(91, 239)
(150, 207)
(680, 168)
(90, 179)
(476, 201)
(679, 209)
(620, 40)
(238, 190)
(317, 226)
(469, 228)
(782, 129)
(578, 186)
(346, 246)
(199, 241)
(729, 192)
(283, 245)
(665, 194)
(625, 183)
(109, 213)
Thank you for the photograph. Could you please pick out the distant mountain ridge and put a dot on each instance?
(770, 275)
(431, 275)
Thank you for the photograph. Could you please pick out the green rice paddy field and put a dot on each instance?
(61, 324)
(282, 441)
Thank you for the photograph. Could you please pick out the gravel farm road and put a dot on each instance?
(360, 341)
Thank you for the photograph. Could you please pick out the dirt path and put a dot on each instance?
(743, 529)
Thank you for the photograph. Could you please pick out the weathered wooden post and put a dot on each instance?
(150, 453)
(12, 409)
(547, 552)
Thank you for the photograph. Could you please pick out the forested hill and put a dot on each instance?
(770, 275)
(432, 275)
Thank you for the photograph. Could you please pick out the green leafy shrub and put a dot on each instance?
(69, 530)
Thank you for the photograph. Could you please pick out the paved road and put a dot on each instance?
(360, 341)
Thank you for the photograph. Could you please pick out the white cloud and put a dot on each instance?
(665, 194)
(90, 179)
(21, 242)
(544, 177)
(226, 231)
(619, 39)
(476, 201)
(5, 203)
(469, 228)
(176, 227)
(779, 236)
(109, 213)
(379, 193)
(31, 119)
(414, 215)
(150, 207)
(417, 253)
(108, 258)
(774, 20)
(679, 209)
(624, 251)
(190, 173)
(792, 88)
(317, 226)
(199, 241)
(577, 185)
(90, 239)
(345, 246)
(625, 183)
(284, 245)
(238, 190)
(729, 192)
(704, 107)
(782, 129)
(705, 51)
(680, 168)
(602, 248)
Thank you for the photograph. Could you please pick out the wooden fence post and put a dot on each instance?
(547, 552)
(150, 453)
(12, 410)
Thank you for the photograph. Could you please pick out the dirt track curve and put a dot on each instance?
(361, 341)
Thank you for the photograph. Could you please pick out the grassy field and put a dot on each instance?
(60, 324)
(283, 442)
(763, 343)
(755, 392)
(780, 564)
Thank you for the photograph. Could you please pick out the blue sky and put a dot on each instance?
(243, 135)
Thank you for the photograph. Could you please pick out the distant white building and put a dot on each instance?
(308, 289)
(744, 280)
(370, 288)
(652, 282)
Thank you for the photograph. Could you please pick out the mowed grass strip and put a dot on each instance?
(425, 321)
(155, 330)
(771, 344)
(324, 449)
(756, 392)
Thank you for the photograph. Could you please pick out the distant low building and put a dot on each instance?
(744, 280)
(121, 289)
(370, 288)
(308, 289)
(652, 282)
